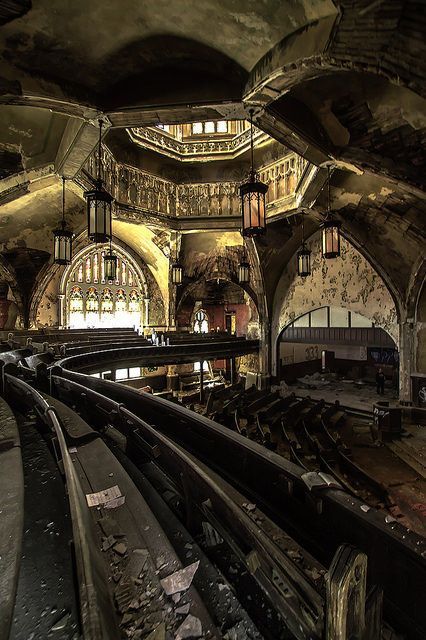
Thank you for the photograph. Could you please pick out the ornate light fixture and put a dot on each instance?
(303, 256)
(252, 194)
(330, 230)
(62, 238)
(99, 205)
(244, 272)
(110, 264)
(244, 269)
(176, 271)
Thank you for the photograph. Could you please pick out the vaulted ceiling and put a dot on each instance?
(337, 81)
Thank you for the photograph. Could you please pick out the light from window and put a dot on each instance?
(134, 372)
(197, 127)
(201, 322)
(95, 375)
(164, 127)
(209, 127)
(197, 366)
(222, 126)
(121, 374)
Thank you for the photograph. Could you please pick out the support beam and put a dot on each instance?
(78, 142)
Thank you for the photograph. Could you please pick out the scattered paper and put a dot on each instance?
(103, 497)
(180, 580)
(117, 502)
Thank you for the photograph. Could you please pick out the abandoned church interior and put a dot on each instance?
(212, 320)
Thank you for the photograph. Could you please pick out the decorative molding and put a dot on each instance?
(139, 194)
(214, 148)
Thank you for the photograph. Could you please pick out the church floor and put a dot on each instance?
(349, 394)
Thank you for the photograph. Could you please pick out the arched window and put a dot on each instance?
(201, 322)
(93, 303)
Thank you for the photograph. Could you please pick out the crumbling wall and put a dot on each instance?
(349, 282)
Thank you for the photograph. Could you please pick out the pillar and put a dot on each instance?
(406, 360)
(61, 310)
(264, 378)
(233, 371)
(201, 382)
(146, 302)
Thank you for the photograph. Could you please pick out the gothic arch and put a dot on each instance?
(332, 283)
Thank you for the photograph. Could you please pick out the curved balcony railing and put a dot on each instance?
(132, 187)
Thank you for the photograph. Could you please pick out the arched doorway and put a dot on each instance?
(337, 341)
(92, 302)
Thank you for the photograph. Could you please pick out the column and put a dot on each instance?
(406, 360)
(264, 355)
(201, 382)
(61, 315)
(233, 370)
(146, 301)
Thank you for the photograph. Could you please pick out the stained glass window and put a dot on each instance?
(92, 301)
(130, 278)
(107, 301)
(201, 322)
(96, 267)
(123, 273)
(120, 301)
(134, 304)
(80, 272)
(76, 300)
(89, 269)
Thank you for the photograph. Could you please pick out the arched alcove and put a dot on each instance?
(348, 282)
(89, 300)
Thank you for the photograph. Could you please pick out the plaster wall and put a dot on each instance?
(349, 282)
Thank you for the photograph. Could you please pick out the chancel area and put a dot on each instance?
(212, 320)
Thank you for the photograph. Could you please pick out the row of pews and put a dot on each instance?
(308, 432)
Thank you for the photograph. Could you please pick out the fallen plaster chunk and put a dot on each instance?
(158, 634)
(179, 580)
(183, 610)
(190, 628)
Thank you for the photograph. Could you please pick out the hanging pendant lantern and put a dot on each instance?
(253, 198)
(330, 238)
(177, 273)
(110, 265)
(62, 238)
(303, 256)
(244, 272)
(304, 262)
(330, 231)
(99, 205)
